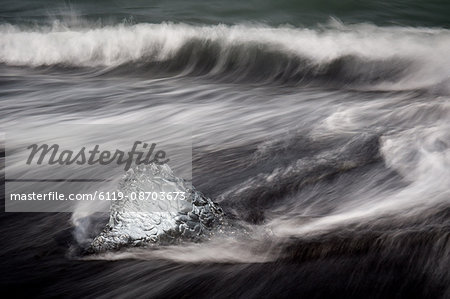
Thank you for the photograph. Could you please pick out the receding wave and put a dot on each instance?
(383, 57)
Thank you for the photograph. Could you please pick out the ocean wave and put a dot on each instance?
(386, 57)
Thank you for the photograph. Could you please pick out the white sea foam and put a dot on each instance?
(419, 55)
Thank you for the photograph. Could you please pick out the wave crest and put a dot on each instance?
(391, 57)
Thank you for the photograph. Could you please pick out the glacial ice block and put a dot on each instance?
(149, 213)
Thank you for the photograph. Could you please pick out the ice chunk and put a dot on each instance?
(156, 208)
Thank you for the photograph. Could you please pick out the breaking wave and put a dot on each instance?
(363, 56)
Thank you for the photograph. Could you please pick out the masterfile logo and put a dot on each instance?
(146, 154)
(78, 159)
